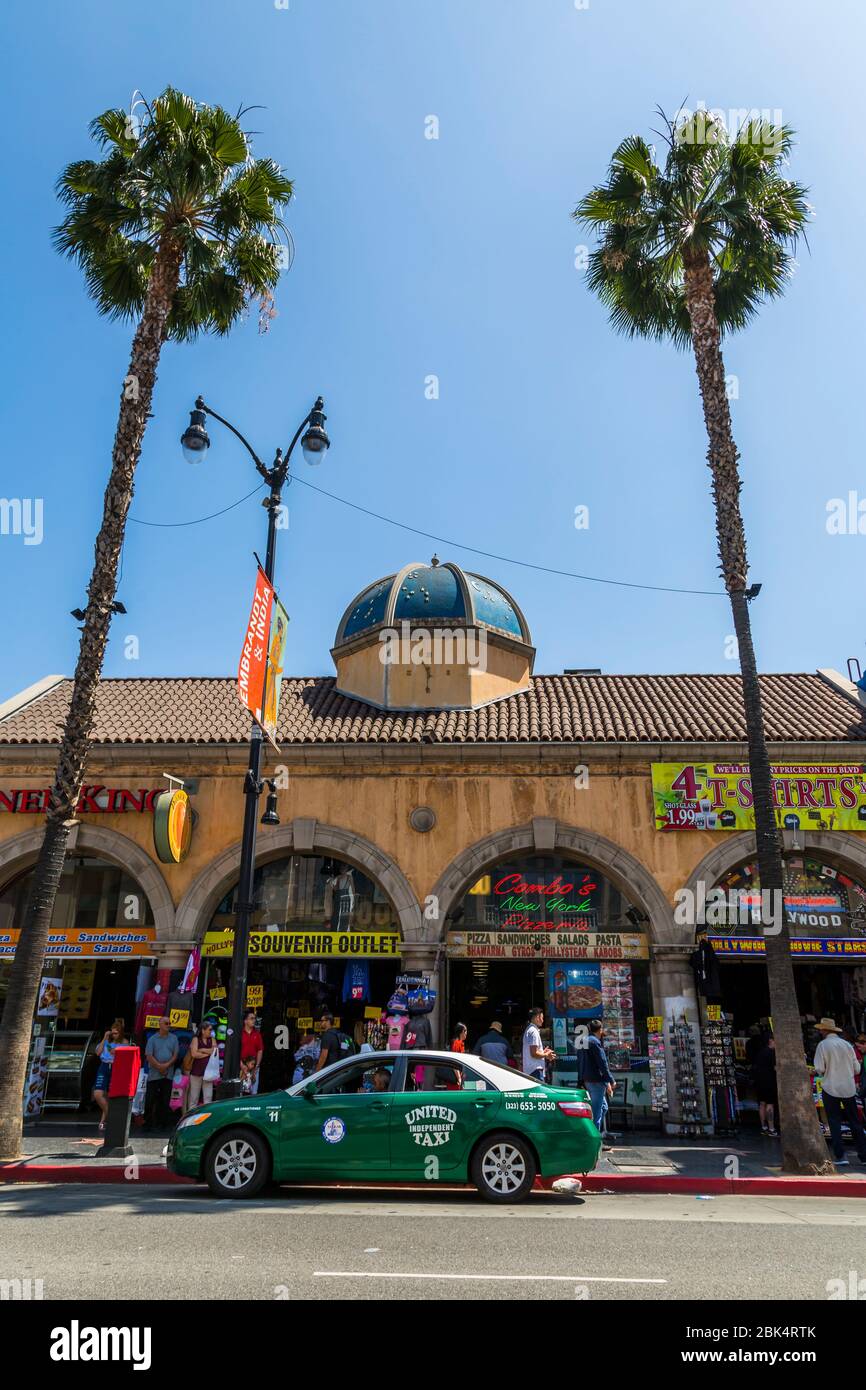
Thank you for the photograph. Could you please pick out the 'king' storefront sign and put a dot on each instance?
(94, 800)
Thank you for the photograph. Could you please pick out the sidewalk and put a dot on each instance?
(66, 1152)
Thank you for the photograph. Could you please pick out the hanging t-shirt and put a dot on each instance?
(184, 1002)
(153, 1004)
(356, 981)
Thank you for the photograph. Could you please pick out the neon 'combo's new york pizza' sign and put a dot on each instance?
(522, 905)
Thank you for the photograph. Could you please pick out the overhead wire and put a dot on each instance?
(444, 540)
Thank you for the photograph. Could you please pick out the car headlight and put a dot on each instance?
(194, 1120)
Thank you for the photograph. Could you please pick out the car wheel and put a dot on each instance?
(238, 1164)
(503, 1168)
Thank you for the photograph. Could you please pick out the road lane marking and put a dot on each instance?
(507, 1278)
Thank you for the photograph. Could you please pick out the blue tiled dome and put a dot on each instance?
(433, 593)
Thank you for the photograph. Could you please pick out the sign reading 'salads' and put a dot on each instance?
(718, 796)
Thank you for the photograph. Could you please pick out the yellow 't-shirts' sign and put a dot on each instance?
(255, 996)
(718, 796)
(310, 944)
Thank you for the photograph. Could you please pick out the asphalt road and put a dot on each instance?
(109, 1242)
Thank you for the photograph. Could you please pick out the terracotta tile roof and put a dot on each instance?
(592, 709)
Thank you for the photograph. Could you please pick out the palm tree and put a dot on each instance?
(176, 226)
(687, 252)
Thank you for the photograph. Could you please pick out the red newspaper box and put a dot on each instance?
(124, 1073)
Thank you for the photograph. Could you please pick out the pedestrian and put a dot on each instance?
(306, 1057)
(458, 1041)
(336, 1046)
(493, 1046)
(113, 1037)
(766, 1085)
(839, 1065)
(860, 1049)
(252, 1051)
(535, 1054)
(160, 1056)
(202, 1049)
(594, 1072)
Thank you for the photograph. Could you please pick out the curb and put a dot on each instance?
(152, 1174)
(781, 1186)
(157, 1175)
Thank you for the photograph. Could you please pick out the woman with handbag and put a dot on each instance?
(202, 1051)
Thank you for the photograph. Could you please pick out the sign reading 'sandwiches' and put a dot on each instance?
(556, 945)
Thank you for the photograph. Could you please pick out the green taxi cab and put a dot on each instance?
(420, 1116)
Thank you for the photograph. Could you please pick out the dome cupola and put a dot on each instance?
(433, 636)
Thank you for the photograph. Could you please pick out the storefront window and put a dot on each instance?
(92, 895)
(826, 912)
(309, 890)
(820, 900)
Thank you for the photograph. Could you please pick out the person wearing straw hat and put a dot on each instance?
(839, 1065)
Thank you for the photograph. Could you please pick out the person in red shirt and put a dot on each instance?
(252, 1048)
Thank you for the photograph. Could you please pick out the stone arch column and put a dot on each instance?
(545, 835)
(21, 852)
(300, 836)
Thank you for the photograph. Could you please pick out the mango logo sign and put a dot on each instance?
(431, 1125)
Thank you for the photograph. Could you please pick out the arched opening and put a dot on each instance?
(324, 936)
(552, 928)
(98, 962)
(825, 903)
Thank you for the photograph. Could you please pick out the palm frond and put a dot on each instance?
(719, 197)
(186, 174)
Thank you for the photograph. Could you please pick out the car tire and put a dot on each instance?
(503, 1168)
(238, 1164)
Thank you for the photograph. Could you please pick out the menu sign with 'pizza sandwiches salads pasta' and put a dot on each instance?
(556, 945)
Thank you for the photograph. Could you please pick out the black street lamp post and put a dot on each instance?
(195, 443)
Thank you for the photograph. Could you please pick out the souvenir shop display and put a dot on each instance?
(618, 1004)
(406, 1013)
(657, 1069)
(37, 1075)
(719, 1073)
(685, 1063)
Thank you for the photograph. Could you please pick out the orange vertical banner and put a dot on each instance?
(254, 654)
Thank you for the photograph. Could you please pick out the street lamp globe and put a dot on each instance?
(194, 440)
(315, 442)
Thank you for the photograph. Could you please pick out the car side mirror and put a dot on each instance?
(309, 1091)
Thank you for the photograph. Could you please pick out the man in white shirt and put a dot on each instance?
(839, 1064)
(535, 1054)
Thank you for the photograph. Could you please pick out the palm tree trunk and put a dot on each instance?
(803, 1147)
(27, 966)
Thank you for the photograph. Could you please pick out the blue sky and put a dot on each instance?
(452, 257)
